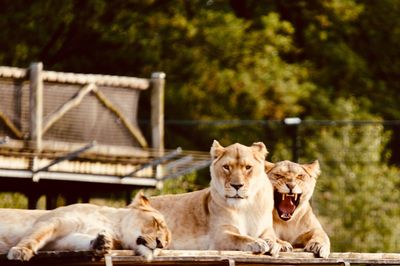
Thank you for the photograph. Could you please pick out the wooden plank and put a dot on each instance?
(12, 72)
(157, 110)
(211, 257)
(75, 101)
(11, 126)
(36, 105)
(82, 79)
(132, 129)
(100, 80)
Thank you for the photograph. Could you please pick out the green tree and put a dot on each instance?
(357, 193)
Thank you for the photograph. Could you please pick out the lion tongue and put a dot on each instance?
(287, 207)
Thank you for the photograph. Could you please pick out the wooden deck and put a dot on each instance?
(231, 258)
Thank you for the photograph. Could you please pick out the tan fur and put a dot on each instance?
(302, 229)
(83, 227)
(222, 217)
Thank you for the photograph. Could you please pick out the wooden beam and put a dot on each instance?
(11, 126)
(75, 101)
(206, 257)
(132, 129)
(157, 110)
(75, 78)
(36, 104)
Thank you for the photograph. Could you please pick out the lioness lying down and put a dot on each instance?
(294, 221)
(83, 227)
(234, 213)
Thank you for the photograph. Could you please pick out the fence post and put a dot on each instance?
(36, 105)
(157, 110)
(293, 124)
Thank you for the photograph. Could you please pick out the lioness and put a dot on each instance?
(83, 227)
(294, 221)
(234, 213)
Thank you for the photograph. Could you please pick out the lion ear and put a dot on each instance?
(268, 166)
(260, 148)
(140, 200)
(312, 169)
(216, 150)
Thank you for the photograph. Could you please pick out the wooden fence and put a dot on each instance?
(78, 134)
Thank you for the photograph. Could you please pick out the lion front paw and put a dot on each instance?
(285, 246)
(20, 253)
(319, 249)
(102, 244)
(258, 246)
(273, 247)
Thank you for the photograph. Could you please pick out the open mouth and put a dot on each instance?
(286, 204)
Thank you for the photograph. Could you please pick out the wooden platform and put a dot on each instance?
(231, 258)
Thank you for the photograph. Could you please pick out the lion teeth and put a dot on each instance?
(295, 196)
(283, 196)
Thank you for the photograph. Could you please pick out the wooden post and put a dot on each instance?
(157, 110)
(36, 105)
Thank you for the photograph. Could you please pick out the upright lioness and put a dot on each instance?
(234, 213)
(294, 221)
(83, 227)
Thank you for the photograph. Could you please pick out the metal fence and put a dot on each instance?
(292, 133)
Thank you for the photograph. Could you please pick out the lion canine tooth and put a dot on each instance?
(283, 196)
(295, 196)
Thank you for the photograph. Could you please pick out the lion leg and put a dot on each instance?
(73, 241)
(99, 244)
(231, 239)
(269, 236)
(43, 233)
(4, 246)
(317, 242)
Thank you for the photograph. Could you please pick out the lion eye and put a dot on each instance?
(301, 176)
(279, 176)
(226, 167)
(248, 167)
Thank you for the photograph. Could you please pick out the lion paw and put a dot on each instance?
(285, 246)
(258, 246)
(319, 249)
(102, 244)
(273, 247)
(20, 253)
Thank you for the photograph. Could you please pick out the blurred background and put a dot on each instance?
(235, 70)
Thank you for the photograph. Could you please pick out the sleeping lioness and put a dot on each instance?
(83, 227)
(234, 213)
(294, 221)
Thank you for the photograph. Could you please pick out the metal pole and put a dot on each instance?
(293, 124)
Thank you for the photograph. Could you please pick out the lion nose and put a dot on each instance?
(237, 186)
(290, 186)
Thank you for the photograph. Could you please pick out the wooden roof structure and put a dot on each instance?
(62, 131)
(208, 257)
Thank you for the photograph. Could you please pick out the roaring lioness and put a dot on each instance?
(83, 227)
(294, 221)
(234, 213)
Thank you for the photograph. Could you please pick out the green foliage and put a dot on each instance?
(177, 185)
(357, 194)
(13, 200)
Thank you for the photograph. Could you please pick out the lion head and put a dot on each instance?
(293, 185)
(237, 170)
(144, 228)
